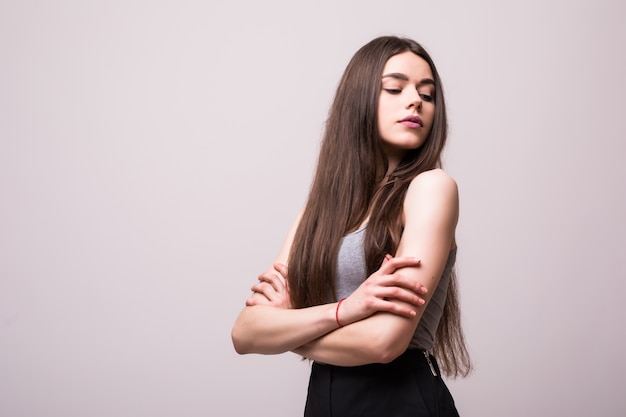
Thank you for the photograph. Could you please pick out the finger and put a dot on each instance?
(266, 289)
(397, 309)
(397, 280)
(281, 268)
(263, 288)
(401, 294)
(257, 302)
(265, 275)
(409, 283)
(393, 264)
(257, 298)
(274, 281)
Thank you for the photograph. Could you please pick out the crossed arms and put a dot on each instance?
(380, 316)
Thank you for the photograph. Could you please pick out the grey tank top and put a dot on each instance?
(351, 272)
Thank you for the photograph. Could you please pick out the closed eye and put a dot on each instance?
(393, 90)
(427, 97)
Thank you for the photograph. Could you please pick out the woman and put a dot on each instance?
(369, 320)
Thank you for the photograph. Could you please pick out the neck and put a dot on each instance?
(394, 156)
(392, 162)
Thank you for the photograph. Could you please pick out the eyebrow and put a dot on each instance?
(404, 77)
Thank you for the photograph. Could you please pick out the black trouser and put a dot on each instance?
(404, 387)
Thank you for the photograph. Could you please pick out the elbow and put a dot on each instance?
(243, 334)
(390, 353)
(388, 348)
(239, 347)
(240, 343)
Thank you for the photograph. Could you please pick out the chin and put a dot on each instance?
(409, 146)
(403, 144)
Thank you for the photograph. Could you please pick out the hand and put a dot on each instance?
(272, 289)
(379, 291)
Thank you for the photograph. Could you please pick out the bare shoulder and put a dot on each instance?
(434, 185)
(432, 198)
(431, 210)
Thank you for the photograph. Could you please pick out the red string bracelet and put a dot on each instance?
(337, 311)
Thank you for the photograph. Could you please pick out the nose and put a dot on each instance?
(415, 100)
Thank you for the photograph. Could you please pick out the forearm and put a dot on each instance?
(376, 339)
(271, 330)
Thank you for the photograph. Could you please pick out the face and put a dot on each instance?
(406, 107)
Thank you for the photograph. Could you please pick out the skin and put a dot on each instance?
(407, 90)
(380, 317)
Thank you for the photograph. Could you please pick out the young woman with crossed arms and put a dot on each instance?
(370, 321)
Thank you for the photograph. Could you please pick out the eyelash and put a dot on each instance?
(426, 97)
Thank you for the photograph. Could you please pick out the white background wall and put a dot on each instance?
(153, 154)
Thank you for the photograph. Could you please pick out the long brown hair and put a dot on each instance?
(350, 185)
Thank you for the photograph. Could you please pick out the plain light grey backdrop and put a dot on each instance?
(154, 153)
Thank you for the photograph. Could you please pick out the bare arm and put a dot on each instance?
(431, 213)
(266, 327)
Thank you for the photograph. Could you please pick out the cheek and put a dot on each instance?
(430, 115)
(381, 109)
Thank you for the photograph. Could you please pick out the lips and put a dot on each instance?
(412, 121)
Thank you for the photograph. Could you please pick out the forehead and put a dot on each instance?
(415, 67)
